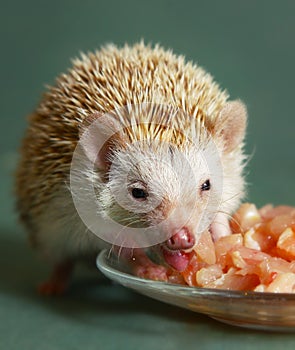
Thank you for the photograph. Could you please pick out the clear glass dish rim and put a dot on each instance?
(101, 263)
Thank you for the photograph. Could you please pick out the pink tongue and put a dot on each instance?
(176, 259)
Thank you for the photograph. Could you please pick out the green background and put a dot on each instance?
(248, 46)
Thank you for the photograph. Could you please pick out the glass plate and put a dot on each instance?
(266, 311)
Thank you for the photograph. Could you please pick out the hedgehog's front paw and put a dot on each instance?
(58, 282)
(220, 227)
(52, 288)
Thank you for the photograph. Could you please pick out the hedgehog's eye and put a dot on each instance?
(139, 194)
(206, 185)
(138, 190)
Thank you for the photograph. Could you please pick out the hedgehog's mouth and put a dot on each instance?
(178, 259)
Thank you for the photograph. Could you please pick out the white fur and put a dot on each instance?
(173, 182)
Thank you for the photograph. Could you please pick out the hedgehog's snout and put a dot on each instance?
(181, 239)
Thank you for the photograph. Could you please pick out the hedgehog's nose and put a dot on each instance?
(182, 239)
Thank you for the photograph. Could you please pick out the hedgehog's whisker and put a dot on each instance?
(135, 221)
(238, 194)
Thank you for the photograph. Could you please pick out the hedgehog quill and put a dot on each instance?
(171, 158)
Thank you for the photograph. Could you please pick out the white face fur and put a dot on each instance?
(154, 184)
(161, 185)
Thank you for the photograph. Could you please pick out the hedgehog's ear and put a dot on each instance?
(98, 135)
(231, 124)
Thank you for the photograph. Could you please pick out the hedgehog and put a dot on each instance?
(166, 151)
